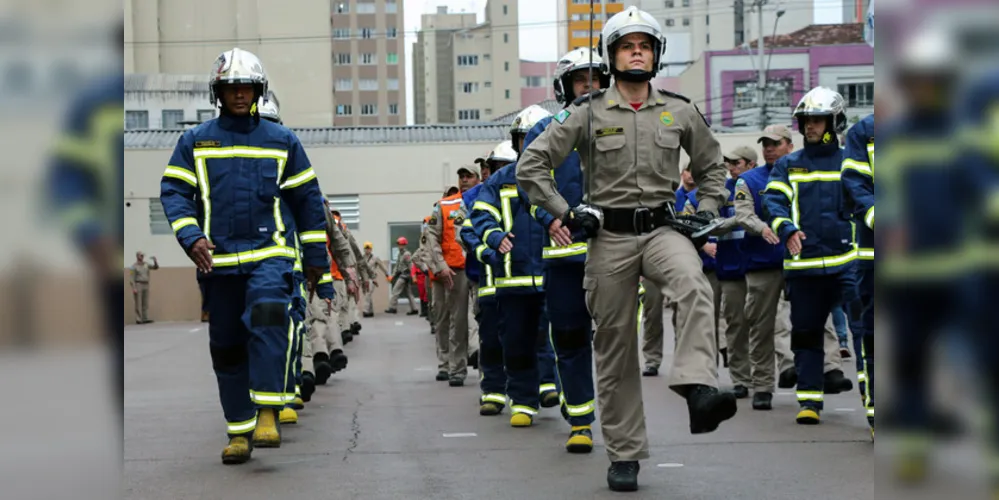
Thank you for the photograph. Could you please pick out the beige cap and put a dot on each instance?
(775, 133)
(742, 152)
(474, 168)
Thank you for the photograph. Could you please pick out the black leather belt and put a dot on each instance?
(636, 220)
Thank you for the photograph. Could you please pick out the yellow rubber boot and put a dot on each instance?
(288, 416)
(237, 451)
(298, 403)
(267, 434)
(580, 440)
(808, 416)
(521, 420)
(489, 408)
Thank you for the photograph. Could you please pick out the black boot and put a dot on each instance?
(835, 382)
(740, 391)
(338, 360)
(308, 386)
(412, 312)
(321, 362)
(763, 401)
(443, 376)
(355, 328)
(708, 407)
(623, 476)
(788, 379)
(368, 315)
(423, 309)
(347, 336)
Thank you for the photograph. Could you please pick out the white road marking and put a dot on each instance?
(398, 323)
(423, 369)
(845, 410)
(192, 330)
(670, 466)
(460, 435)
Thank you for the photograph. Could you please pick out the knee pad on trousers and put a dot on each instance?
(569, 340)
(491, 356)
(268, 314)
(808, 339)
(228, 358)
(518, 363)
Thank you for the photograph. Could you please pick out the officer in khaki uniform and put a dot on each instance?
(374, 264)
(637, 135)
(402, 279)
(140, 286)
(446, 256)
(350, 323)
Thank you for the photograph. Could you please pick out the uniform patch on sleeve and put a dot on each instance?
(433, 220)
(740, 195)
(562, 116)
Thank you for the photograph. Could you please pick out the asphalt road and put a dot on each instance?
(384, 429)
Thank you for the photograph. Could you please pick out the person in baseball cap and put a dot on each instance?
(469, 176)
(777, 142)
(740, 159)
(776, 133)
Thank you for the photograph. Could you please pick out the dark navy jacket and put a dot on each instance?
(760, 255)
(730, 260)
(689, 205)
(479, 253)
(858, 183)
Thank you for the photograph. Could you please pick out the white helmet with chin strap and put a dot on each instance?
(822, 101)
(238, 67)
(626, 22)
(503, 153)
(578, 59)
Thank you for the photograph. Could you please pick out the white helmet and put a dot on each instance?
(626, 22)
(270, 110)
(575, 60)
(503, 153)
(238, 66)
(822, 101)
(527, 118)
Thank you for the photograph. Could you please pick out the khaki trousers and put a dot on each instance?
(613, 266)
(737, 332)
(341, 306)
(451, 325)
(652, 326)
(369, 298)
(400, 286)
(323, 335)
(473, 310)
(141, 301)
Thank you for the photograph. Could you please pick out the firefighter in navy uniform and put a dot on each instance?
(803, 197)
(235, 190)
(571, 326)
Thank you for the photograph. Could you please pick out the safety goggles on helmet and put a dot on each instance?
(235, 67)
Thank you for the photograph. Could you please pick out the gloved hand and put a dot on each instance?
(696, 227)
(585, 218)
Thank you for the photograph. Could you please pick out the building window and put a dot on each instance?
(506, 65)
(488, 111)
(506, 38)
(669, 4)
(344, 84)
(532, 81)
(343, 58)
(172, 118)
(369, 109)
(777, 94)
(469, 87)
(507, 93)
(367, 32)
(392, 58)
(707, 40)
(158, 222)
(349, 206)
(468, 114)
(857, 95)
(367, 84)
(468, 60)
(669, 21)
(580, 34)
(391, 7)
(343, 8)
(367, 58)
(393, 109)
(487, 57)
(392, 84)
(487, 85)
(392, 33)
(136, 120)
(205, 115)
(686, 21)
(343, 110)
(504, 9)
(686, 3)
(365, 7)
(341, 33)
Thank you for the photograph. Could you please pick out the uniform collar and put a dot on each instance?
(614, 98)
(243, 124)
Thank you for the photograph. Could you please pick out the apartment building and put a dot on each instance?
(574, 22)
(292, 39)
(536, 82)
(464, 71)
(369, 63)
(693, 27)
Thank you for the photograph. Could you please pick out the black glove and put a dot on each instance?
(583, 218)
(707, 215)
(693, 227)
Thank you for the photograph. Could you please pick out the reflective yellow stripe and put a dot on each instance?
(487, 291)
(206, 192)
(490, 231)
(327, 278)
(870, 156)
(780, 186)
(268, 398)
(534, 211)
(505, 196)
(546, 388)
(182, 174)
(861, 377)
(821, 262)
(775, 225)
(299, 179)
(523, 409)
(520, 281)
(494, 398)
(560, 252)
(279, 228)
(183, 222)
(820, 176)
(481, 205)
(865, 253)
(242, 427)
(810, 396)
(233, 259)
(313, 236)
(467, 223)
(869, 218)
(859, 166)
(287, 356)
(580, 410)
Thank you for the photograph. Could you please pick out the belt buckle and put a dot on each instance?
(640, 220)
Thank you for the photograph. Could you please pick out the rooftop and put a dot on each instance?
(816, 34)
(348, 136)
(165, 82)
(551, 105)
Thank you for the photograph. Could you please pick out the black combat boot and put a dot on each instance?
(708, 407)
(623, 476)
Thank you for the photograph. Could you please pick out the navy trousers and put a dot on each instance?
(493, 381)
(522, 314)
(571, 337)
(812, 300)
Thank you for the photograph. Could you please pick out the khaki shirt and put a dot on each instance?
(340, 245)
(745, 210)
(374, 263)
(434, 256)
(420, 257)
(401, 269)
(363, 272)
(140, 272)
(636, 154)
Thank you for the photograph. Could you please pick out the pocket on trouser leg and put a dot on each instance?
(590, 285)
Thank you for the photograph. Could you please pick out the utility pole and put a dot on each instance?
(761, 84)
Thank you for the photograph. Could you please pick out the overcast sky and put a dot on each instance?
(538, 36)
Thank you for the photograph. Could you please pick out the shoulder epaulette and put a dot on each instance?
(581, 99)
(675, 95)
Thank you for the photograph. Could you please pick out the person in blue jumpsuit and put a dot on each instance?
(503, 220)
(858, 183)
(236, 189)
(85, 174)
(803, 197)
